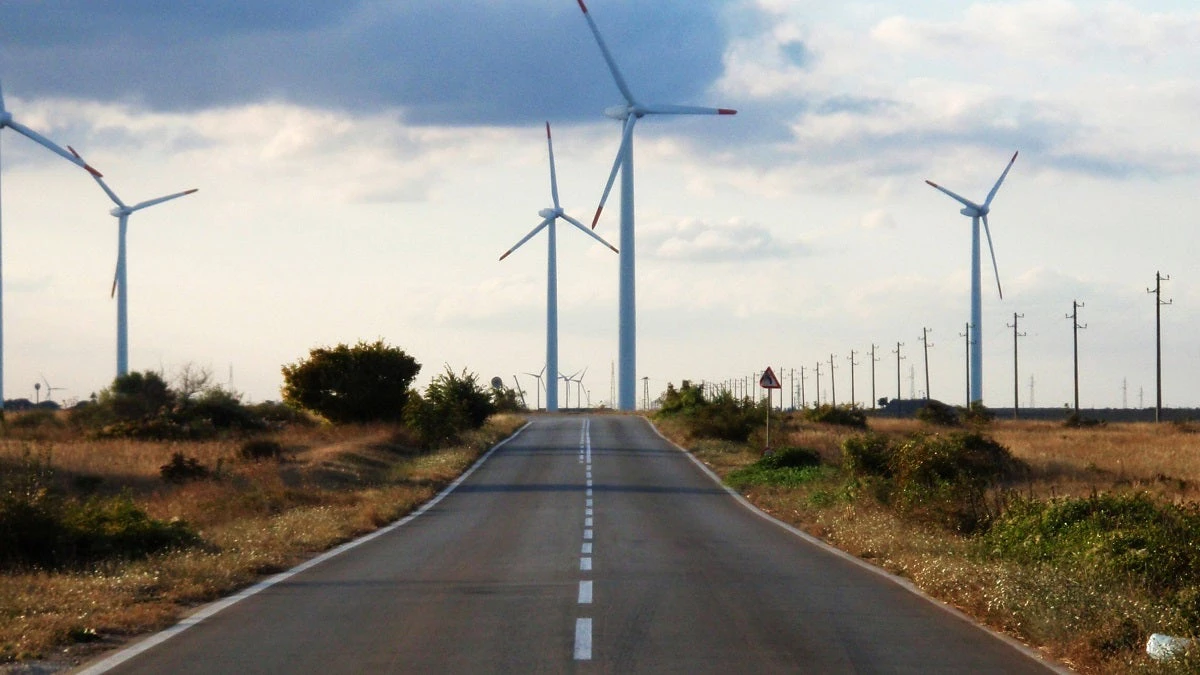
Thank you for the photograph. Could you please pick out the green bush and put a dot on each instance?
(842, 415)
(721, 417)
(867, 455)
(39, 528)
(364, 383)
(789, 466)
(944, 479)
(1111, 537)
(452, 404)
(37, 418)
(938, 414)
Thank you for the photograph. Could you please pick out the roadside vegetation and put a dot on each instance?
(118, 516)
(1078, 540)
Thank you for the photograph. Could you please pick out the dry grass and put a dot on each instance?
(1045, 607)
(258, 518)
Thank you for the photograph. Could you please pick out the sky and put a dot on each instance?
(361, 166)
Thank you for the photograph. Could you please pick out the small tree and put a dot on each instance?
(136, 396)
(366, 382)
(452, 403)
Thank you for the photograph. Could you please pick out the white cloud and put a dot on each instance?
(695, 240)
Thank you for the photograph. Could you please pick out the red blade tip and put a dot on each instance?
(596, 218)
(932, 183)
(191, 191)
(547, 130)
(583, 6)
(726, 111)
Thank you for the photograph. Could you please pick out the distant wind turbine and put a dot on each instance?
(629, 114)
(978, 212)
(6, 120)
(550, 217)
(539, 387)
(120, 278)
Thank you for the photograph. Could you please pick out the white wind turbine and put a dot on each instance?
(6, 120)
(539, 387)
(122, 212)
(629, 114)
(550, 218)
(978, 212)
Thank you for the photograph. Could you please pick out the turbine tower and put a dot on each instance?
(629, 113)
(550, 217)
(978, 212)
(6, 120)
(120, 279)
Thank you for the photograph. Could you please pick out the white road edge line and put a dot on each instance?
(583, 639)
(899, 581)
(211, 609)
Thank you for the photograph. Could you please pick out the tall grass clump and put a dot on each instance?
(788, 466)
(841, 415)
(721, 417)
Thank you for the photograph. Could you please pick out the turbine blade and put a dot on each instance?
(612, 176)
(553, 173)
(961, 200)
(151, 202)
(2, 108)
(49, 145)
(995, 268)
(99, 180)
(996, 188)
(527, 237)
(583, 228)
(612, 65)
(663, 109)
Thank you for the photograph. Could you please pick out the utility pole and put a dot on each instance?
(966, 335)
(912, 382)
(803, 377)
(793, 402)
(1158, 305)
(1124, 392)
(898, 359)
(873, 360)
(1074, 317)
(817, 370)
(832, 384)
(852, 364)
(646, 392)
(926, 345)
(1032, 400)
(1016, 384)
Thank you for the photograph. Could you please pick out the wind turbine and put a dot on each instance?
(50, 390)
(550, 218)
(978, 212)
(629, 114)
(539, 387)
(579, 387)
(120, 279)
(6, 120)
(520, 392)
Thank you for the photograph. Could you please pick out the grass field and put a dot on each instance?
(253, 518)
(1088, 621)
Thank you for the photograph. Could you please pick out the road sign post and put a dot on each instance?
(769, 382)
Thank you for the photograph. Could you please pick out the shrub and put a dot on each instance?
(259, 449)
(843, 415)
(1077, 421)
(222, 409)
(944, 479)
(453, 403)
(978, 414)
(938, 414)
(363, 383)
(723, 417)
(39, 528)
(37, 418)
(867, 455)
(182, 469)
(1116, 538)
(789, 466)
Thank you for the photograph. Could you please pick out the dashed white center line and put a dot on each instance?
(587, 512)
(587, 534)
(585, 564)
(587, 522)
(585, 592)
(588, 503)
(583, 639)
(587, 548)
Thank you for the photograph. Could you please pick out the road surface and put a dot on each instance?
(584, 544)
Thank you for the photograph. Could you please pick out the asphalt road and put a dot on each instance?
(584, 545)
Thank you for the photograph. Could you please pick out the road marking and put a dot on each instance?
(589, 482)
(587, 548)
(587, 512)
(589, 474)
(585, 564)
(587, 534)
(588, 503)
(585, 592)
(587, 522)
(583, 639)
(589, 492)
(209, 610)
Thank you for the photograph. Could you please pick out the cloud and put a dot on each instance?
(471, 62)
(733, 241)
(878, 219)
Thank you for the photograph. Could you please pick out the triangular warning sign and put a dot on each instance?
(769, 381)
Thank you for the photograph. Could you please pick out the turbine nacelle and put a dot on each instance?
(119, 211)
(622, 112)
(551, 213)
(974, 211)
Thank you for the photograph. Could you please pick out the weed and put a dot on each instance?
(843, 415)
(182, 469)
